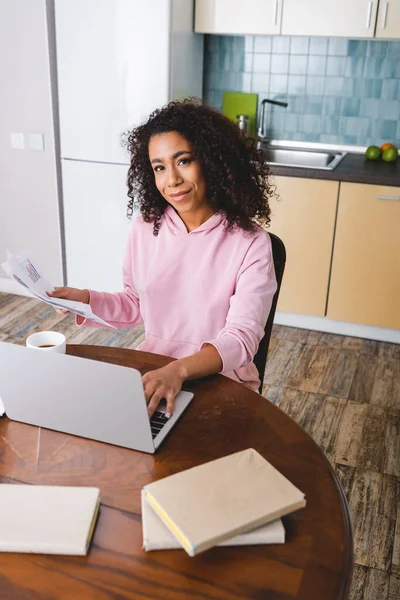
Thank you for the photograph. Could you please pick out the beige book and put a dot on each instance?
(215, 501)
(47, 519)
(157, 536)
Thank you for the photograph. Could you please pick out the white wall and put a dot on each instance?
(29, 186)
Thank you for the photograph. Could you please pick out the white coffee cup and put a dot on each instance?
(48, 341)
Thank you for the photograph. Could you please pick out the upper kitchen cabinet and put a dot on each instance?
(365, 279)
(254, 17)
(327, 18)
(388, 21)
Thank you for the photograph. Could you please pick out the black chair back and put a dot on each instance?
(279, 255)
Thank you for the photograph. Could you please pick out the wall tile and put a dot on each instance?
(261, 63)
(218, 98)
(390, 109)
(350, 139)
(226, 80)
(297, 103)
(315, 85)
(390, 89)
(337, 47)
(387, 129)
(316, 65)
(357, 48)
(331, 106)
(331, 139)
(244, 82)
(335, 65)
(208, 96)
(351, 107)
(275, 120)
(377, 47)
(369, 107)
(354, 126)
(375, 66)
(354, 66)
(372, 88)
(247, 62)
(279, 63)
(249, 43)
(260, 81)
(338, 90)
(330, 125)
(298, 65)
(297, 84)
(292, 122)
(211, 43)
(312, 123)
(393, 68)
(353, 88)
(334, 86)
(394, 49)
(262, 43)
(278, 84)
(299, 45)
(313, 105)
(280, 45)
(318, 46)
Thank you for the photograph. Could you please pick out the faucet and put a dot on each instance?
(261, 123)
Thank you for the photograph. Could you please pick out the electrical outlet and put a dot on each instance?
(17, 141)
(36, 141)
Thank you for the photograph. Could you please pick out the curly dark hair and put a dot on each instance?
(235, 172)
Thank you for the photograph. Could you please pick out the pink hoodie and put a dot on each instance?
(205, 286)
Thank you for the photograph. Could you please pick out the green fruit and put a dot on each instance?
(373, 152)
(390, 154)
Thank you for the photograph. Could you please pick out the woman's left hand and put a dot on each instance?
(162, 383)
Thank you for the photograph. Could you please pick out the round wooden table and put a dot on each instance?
(314, 564)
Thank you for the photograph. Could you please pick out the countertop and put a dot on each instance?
(354, 168)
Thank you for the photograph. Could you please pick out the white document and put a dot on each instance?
(27, 273)
(2, 410)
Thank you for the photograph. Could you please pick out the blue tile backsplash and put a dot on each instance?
(339, 91)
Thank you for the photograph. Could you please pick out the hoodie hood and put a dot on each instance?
(178, 227)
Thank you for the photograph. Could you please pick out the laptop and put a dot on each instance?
(83, 397)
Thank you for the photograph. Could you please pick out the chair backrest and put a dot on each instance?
(279, 256)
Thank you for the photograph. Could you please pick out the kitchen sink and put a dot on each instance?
(297, 157)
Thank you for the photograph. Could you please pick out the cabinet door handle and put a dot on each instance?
(388, 198)
(276, 4)
(384, 15)
(369, 14)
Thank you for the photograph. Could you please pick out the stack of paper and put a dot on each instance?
(237, 499)
(23, 269)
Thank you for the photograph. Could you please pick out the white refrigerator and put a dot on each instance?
(117, 60)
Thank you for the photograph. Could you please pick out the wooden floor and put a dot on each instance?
(345, 392)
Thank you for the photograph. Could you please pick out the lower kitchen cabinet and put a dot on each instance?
(304, 218)
(365, 279)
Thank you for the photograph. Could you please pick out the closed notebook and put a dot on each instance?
(47, 519)
(157, 536)
(215, 501)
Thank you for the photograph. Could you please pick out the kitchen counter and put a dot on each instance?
(354, 168)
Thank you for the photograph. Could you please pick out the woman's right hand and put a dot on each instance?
(68, 293)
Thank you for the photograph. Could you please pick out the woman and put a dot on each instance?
(198, 272)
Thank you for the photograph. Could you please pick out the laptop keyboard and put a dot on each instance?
(157, 422)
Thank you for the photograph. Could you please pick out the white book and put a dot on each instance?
(156, 535)
(215, 501)
(47, 519)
